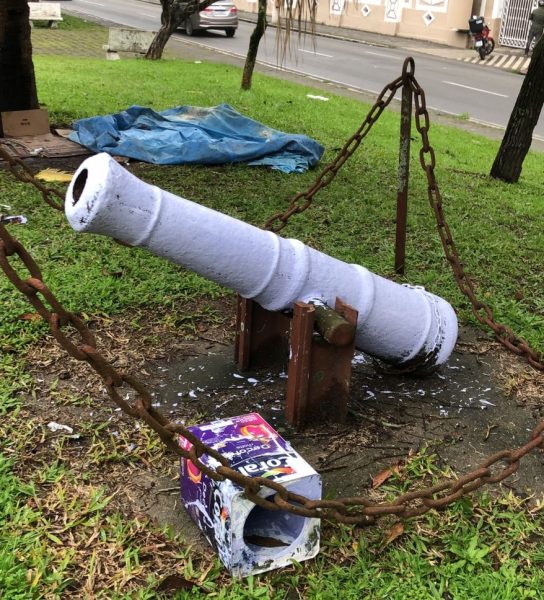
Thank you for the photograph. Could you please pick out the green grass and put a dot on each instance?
(476, 549)
(12, 513)
(497, 227)
(48, 524)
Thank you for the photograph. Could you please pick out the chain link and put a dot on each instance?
(481, 311)
(352, 510)
(303, 200)
(24, 174)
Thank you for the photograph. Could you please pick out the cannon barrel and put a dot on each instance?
(403, 326)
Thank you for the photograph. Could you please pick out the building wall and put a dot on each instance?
(434, 20)
(492, 11)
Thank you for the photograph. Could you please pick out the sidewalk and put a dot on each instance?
(511, 59)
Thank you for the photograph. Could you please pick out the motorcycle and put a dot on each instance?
(483, 42)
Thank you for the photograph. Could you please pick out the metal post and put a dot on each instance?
(403, 176)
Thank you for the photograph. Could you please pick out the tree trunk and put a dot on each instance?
(519, 132)
(254, 41)
(156, 48)
(18, 83)
(173, 16)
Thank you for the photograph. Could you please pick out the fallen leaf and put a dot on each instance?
(384, 475)
(29, 317)
(396, 531)
(54, 175)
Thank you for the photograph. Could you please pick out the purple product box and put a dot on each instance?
(248, 538)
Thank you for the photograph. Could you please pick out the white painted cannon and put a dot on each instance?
(400, 325)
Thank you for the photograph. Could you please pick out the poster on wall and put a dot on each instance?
(433, 5)
(337, 7)
(393, 11)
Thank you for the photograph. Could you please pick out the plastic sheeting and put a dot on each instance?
(196, 135)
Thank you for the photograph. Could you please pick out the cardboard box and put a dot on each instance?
(250, 539)
(18, 123)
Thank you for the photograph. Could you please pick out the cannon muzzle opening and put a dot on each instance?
(79, 186)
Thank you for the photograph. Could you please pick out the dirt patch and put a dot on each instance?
(460, 412)
(482, 401)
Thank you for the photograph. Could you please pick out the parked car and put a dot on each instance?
(219, 15)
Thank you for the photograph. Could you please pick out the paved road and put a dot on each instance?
(486, 95)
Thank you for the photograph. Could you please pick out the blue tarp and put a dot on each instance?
(195, 135)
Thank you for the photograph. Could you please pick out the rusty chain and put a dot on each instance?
(354, 510)
(24, 174)
(481, 311)
(303, 200)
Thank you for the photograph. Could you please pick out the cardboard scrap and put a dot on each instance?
(17, 123)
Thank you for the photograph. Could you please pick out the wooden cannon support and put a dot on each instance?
(318, 343)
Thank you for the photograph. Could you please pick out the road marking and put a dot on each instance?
(315, 53)
(93, 3)
(501, 60)
(481, 90)
(498, 60)
(510, 62)
(277, 67)
(381, 54)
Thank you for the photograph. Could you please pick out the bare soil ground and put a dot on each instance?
(482, 401)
